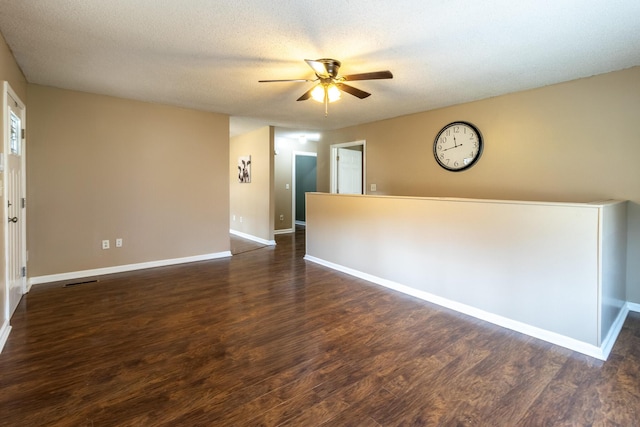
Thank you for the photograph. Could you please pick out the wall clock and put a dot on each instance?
(458, 146)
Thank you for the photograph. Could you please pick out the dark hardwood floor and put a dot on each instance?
(265, 338)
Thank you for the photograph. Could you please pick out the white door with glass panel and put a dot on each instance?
(15, 200)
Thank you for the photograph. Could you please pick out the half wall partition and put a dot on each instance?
(555, 271)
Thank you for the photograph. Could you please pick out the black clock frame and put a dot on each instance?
(480, 145)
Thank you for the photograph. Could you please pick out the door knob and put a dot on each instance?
(14, 219)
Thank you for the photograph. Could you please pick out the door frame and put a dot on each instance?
(293, 182)
(6, 93)
(334, 163)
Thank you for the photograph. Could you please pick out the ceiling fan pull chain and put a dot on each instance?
(326, 102)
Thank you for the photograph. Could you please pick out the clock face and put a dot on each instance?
(457, 146)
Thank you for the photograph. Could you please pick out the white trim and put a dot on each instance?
(607, 344)
(4, 334)
(632, 306)
(254, 238)
(302, 223)
(284, 231)
(554, 338)
(124, 268)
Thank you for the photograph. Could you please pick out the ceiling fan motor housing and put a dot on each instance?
(331, 65)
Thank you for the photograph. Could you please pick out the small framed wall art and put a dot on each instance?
(244, 169)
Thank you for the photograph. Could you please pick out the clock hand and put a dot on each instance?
(451, 148)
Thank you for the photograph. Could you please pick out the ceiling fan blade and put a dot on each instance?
(318, 67)
(306, 95)
(352, 90)
(369, 76)
(285, 80)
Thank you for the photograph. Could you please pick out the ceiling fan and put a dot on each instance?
(330, 83)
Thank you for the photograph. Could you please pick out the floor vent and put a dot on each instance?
(80, 283)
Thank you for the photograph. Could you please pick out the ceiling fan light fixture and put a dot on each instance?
(333, 92)
(329, 85)
(317, 94)
(329, 89)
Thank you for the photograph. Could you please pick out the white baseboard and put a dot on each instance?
(610, 339)
(124, 268)
(632, 306)
(4, 334)
(552, 337)
(284, 231)
(254, 238)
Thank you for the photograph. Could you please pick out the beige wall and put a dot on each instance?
(100, 167)
(253, 201)
(285, 148)
(10, 71)
(573, 142)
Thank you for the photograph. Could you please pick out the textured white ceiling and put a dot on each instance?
(210, 55)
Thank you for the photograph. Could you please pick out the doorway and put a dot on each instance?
(348, 170)
(13, 165)
(304, 181)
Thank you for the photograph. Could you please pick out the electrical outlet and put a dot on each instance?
(281, 217)
(374, 187)
(118, 243)
(234, 217)
(240, 219)
(105, 244)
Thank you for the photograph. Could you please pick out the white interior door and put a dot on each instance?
(15, 230)
(349, 171)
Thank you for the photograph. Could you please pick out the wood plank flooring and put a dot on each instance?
(267, 339)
